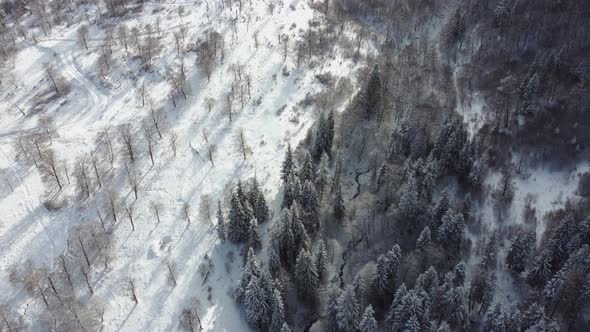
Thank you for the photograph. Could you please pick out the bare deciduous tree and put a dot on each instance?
(125, 131)
(157, 208)
(172, 271)
(240, 143)
(173, 140)
(205, 207)
(83, 36)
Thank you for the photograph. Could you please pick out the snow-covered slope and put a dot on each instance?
(29, 231)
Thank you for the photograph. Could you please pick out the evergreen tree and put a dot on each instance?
(286, 238)
(368, 322)
(373, 93)
(452, 229)
(424, 238)
(330, 132)
(306, 275)
(338, 169)
(323, 174)
(306, 173)
(288, 167)
(258, 202)
(256, 303)
(387, 265)
(408, 202)
(332, 296)
(339, 208)
(238, 221)
(277, 319)
(310, 201)
(321, 259)
(274, 261)
(519, 252)
(253, 237)
(320, 137)
(285, 328)
(428, 281)
(441, 209)
(410, 311)
(348, 310)
(251, 269)
(299, 231)
(220, 223)
(292, 192)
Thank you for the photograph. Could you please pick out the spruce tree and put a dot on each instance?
(274, 260)
(373, 93)
(387, 265)
(339, 208)
(347, 315)
(220, 223)
(285, 328)
(288, 167)
(408, 202)
(306, 173)
(323, 174)
(321, 259)
(311, 204)
(424, 238)
(258, 202)
(306, 275)
(287, 238)
(452, 230)
(277, 319)
(251, 268)
(253, 236)
(368, 322)
(320, 138)
(256, 303)
(519, 252)
(238, 225)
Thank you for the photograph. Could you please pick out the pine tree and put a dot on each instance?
(452, 229)
(330, 132)
(387, 265)
(321, 259)
(368, 322)
(519, 252)
(274, 261)
(256, 303)
(321, 137)
(306, 173)
(278, 312)
(292, 192)
(287, 238)
(310, 201)
(339, 209)
(441, 209)
(408, 202)
(306, 275)
(323, 174)
(424, 238)
(332, 296)
(348, 310)
(299, 231)
(373, 93)
(285, 328)
(220, 223)
(288, 167)
(251, 269)
(253, 236)
(338, 169)
(238, 221)
(258, 202)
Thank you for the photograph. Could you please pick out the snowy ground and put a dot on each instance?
(28, 231)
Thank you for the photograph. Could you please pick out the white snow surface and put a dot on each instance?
(28, 231)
